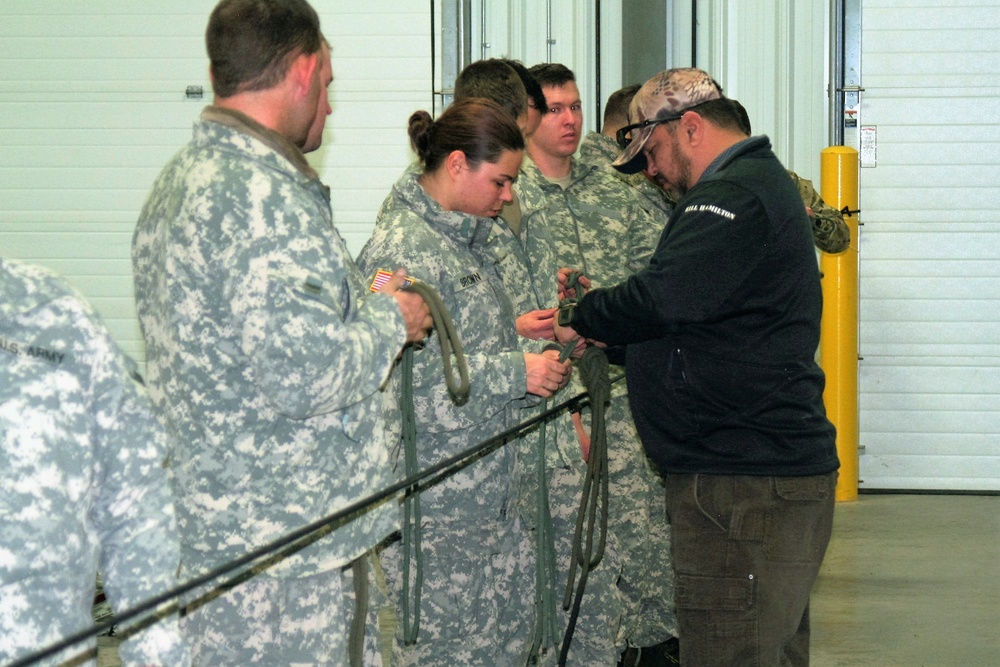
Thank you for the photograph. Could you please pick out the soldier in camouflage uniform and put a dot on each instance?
(265, 350)
(526, 262)
(830, 233)
(600, 148)
(82, 479)
(602, 227)
(437, 223)
(525, 253)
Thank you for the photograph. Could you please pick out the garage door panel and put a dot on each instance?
(927, 379)
(921, 310)
(931, 243)
(944, 422)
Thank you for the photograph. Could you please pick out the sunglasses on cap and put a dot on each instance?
(623, 135)
(623, 138)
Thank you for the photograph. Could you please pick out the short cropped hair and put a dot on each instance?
(743, 116)
(251, 43)
(552, 74)
(723, 114)
(616, 110)
(494, 80)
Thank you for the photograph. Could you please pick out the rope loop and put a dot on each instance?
(451, 344)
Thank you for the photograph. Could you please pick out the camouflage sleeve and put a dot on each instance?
(532, 345)
(317, 340)
(830, 233)
(133, 509)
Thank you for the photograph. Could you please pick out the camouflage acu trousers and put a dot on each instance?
(473, 583)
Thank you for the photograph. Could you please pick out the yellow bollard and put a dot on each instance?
(839, 328)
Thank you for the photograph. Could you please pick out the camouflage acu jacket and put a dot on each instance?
(265, 350)
(602, 150)
(449, 251)
(598, 224)
(82, 478)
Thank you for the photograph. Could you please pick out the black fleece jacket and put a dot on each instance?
(720, 332)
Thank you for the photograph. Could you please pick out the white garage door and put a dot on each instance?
(930, 246)
(92, 104)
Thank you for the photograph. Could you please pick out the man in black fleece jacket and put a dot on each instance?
(718, 337)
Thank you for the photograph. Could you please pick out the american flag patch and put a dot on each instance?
(383, 276)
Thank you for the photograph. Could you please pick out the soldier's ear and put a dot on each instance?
(303, 71)
(456, 163)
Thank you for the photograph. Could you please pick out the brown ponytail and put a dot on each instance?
(481, 129)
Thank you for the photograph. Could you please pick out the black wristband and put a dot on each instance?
(566, 311)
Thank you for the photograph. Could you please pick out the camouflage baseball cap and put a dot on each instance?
(663, 98)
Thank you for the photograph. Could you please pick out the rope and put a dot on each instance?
(448, 338)
(411, 509)
(356, 638)
(545, 630)
(572, 283)
(593, 368)
(458, 389)
(296, 539)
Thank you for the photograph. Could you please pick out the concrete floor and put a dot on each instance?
(908, 580)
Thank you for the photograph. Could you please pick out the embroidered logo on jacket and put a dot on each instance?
(710, 208)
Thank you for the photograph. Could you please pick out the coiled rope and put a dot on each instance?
(592, 515)
(593, 367)
(458, 389)
(451, 344)
(545, 628)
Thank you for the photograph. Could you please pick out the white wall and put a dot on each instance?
(382, 74)
(92, 105)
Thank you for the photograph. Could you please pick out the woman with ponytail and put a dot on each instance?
(436, 222)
